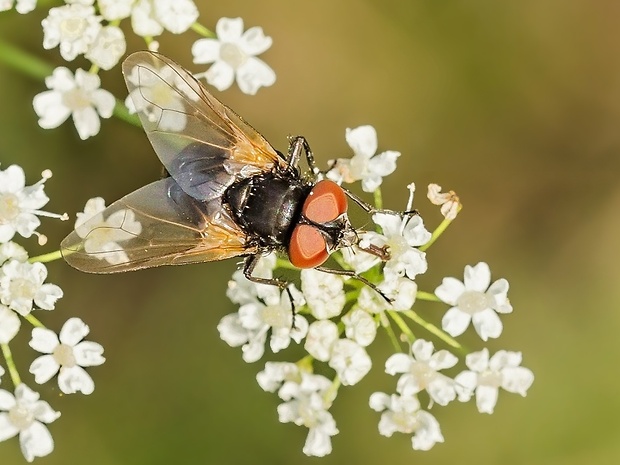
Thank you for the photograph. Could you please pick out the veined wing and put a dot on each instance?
(158, 224)
(204, 145)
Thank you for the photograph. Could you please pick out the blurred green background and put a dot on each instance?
(515, 105)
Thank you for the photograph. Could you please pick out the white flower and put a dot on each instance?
(364, 165)
(66, 353)
(350, 361)
(12, 251)
(21, 284)
(402, 414)
(79, 97)
(151, 17)
(112, 10)
(485, 376)
(276, 373)
(156, 90)
(359, 260)
(401, 290)
(474, 301)
(402, 236)
(449, 201)
(233, 55)
(74, 27)
(360, 326)
(249, 327)
(370, 301)
(102, 236)
(19, 205)
(9, 324)
(323, 292)
(108, 48)
(421, 372)
(25, 414)
(322, 334)
(306, 404)
(22, 6)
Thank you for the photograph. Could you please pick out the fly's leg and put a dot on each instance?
(354, 275)
(248, 268)
(372, 210)
(298, 144)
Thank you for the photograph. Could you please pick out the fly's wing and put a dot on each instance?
(203, 144)
(158, 224)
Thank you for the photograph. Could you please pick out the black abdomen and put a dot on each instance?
(267, 206)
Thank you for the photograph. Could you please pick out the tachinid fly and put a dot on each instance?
(229, 193)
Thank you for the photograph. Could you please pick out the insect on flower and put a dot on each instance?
(229, 193)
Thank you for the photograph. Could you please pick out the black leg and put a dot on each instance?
(354, 275)
(298, 144)
(248, 267)
(372, 210)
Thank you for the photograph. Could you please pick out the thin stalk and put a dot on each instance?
(10, 364)
(431, 328)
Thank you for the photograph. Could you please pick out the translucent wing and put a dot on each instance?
(204, 145)
(158, 224)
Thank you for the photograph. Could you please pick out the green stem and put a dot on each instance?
(402, 325)
(378, 199)
(431, 328)
(331, 393)
(8, 357)
(201, 30)
(30, 318)
(122, 113)
(45, 258)
(385, 323)
(24, 62)
(436, 233)
(421, 295)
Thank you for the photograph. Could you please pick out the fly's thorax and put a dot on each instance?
(267, 206)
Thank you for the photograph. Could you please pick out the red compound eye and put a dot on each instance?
(326, 202)
(307, 248)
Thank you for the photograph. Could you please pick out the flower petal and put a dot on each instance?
(206, 51)
(75, 379)
(254, 74)
(478, 277)
(450, 290)
(88, 354)
(487, 324)
(486, 398)
(229, 29)
(43, 340)
(455, 322)
(254, 41)
(7, 428)
(220, 75)
(43, 368)
(398, 363)
(36, 441)
(73, 331)
(363, 140)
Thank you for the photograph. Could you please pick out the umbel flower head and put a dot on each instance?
(338, 317)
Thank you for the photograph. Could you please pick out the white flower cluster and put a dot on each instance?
(24, 290)
(91, 28)
(336, 319)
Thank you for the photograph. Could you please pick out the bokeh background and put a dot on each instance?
(515, 105)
